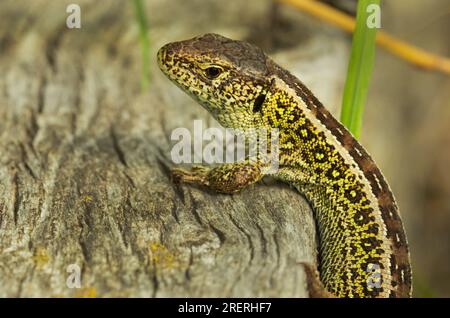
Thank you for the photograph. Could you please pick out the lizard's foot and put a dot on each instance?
(200, 169)
(197, 175)
(227, 178)
(314, 285)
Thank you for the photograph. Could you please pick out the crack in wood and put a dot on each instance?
(117, 149)
(16, 197)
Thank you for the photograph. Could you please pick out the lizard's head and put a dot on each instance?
(229, 78)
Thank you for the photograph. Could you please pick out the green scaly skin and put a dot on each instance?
(363, 248)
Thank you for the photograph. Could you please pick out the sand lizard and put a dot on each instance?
(359, 226)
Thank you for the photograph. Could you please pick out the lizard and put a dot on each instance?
(363, 250)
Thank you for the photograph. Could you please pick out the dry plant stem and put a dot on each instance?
(406, 51)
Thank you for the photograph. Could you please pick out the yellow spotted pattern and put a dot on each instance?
(351, 244)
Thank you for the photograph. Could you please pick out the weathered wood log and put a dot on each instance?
(84, 174)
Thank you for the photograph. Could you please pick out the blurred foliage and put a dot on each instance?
(359, 69)
(141, 19)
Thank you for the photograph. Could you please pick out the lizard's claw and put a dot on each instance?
(179, 175)
(200, 169)
(196, 176)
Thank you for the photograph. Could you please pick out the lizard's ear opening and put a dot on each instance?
(259, 101)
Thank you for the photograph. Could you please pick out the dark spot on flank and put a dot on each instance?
(259, 101)
(373, 228)
(319, 170)
(370, 243)
(360, 218)
(381, 252)
(334, 173)
(354, 195)
(280, 104)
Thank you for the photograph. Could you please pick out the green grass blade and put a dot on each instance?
(359, 70)
(141, 19)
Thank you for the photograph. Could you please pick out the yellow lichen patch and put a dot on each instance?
(161, 256)
(87, 198)
(40, 257)
(86, 292)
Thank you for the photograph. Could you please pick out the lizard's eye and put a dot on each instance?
(213, 72)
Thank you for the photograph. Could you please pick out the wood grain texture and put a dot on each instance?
(84, 179)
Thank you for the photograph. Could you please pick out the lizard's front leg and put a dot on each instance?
(226, 178)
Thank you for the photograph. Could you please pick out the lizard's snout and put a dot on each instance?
(167, 55)
(162, 54)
